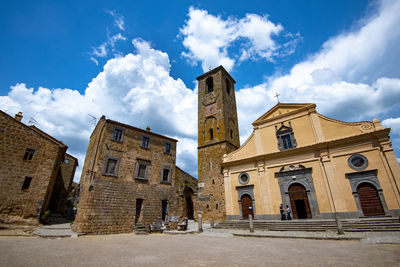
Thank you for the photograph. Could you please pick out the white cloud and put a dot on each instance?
(100, 51)
(354, 76)
(113, 39)
(136, 89)
(208, 38)
(119, 21)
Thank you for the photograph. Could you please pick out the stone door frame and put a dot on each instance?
(369, 177)
(246, 190)
(300, 176)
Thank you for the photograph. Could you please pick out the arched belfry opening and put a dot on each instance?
(210, 84)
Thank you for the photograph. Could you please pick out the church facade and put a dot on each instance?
(316, 165)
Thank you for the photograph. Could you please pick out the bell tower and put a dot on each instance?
(218, 134)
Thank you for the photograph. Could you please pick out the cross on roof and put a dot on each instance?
(277, 96)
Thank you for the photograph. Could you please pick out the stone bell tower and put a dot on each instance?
(218, 134)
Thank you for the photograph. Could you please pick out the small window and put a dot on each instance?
(358, 162)
(231, 132)
(145, 141)
(210, 84)
(66, 161)
(286, 141)
(27, 183)
(211, 134)
(117, 134)
(111, 166)
(29, 154)
(244, 178)
(166, 175)
(167, 147)
(142, 169)
(228, 86)
(216, 206)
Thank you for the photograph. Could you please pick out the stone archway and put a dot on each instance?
(247, 206)
(299, 202)
(369, 199)
(187, 195)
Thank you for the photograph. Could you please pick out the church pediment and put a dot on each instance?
(282, 109)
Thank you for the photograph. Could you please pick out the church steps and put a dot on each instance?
(362, 225)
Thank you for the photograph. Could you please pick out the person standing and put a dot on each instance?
(288, 212)
(282, 210)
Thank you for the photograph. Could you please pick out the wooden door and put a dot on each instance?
(247, 207)
(299, 202)
(369, 199)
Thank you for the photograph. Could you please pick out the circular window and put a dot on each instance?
(358, 162)
(244, 178)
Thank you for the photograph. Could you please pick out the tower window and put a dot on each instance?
(210, 84)
(211, 134)
(231, 133)
(228, 86)
(29, 154)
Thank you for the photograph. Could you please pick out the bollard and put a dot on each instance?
(212, 223)
(200, 223)
(339, 224)
(251, 223)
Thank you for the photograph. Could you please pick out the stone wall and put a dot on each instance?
(108, 202)
(15, 138)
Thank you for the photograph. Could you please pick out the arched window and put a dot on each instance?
(210, 84)
(228, 86)
(211, 134)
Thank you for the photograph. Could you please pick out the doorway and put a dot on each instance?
(164, 205)
(139, 203)
(247, 207)
(188, 212)
(299, 202)
(370, 203)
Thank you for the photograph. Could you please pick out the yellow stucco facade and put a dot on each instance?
(314, 164)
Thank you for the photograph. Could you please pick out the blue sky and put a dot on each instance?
(136, 62)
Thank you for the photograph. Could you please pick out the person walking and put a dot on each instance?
(288, 212)
(282, 210)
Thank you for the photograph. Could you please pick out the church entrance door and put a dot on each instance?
(299, 202)
(247, 207)
(369, 199)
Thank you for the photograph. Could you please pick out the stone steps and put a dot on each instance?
(361, 225)
(140, 229)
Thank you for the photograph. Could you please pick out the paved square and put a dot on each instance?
(192, 250)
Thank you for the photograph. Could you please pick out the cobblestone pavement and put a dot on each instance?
(192, 250)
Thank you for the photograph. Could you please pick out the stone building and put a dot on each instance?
(31, 162)
(128, 178)
(318, 166)
(218, 134)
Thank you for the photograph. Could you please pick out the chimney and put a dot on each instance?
(18, 116)
(148, 128)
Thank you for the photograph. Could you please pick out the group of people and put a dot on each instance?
(286, 213)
